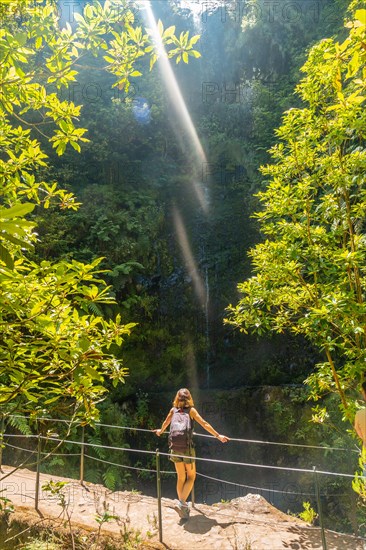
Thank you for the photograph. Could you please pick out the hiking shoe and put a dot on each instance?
(185, 511)
(181, 509)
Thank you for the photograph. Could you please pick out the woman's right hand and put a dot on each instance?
(158, 432)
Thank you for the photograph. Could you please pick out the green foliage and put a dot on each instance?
(309, 515)
(309, 270)
(105, 517)
(56, 489)
(129, 173)
(37, 53)
(55, 351)
(110, 477)
(6, 505)
(20, 423)
(107, 467)
(55, 347)
(359, 485)
(102, 466)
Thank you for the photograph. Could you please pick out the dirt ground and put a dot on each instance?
(245, 523)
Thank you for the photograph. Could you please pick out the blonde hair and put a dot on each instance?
(183, 398)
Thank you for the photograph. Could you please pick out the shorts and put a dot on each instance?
(187, 457)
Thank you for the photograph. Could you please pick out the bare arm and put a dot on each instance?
(359, 431)
(165, 424)
(196, 416)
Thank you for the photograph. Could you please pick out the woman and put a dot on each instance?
(185, 463)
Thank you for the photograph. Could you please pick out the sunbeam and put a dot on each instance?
(179, 106)
(191, 363)
(198, 284)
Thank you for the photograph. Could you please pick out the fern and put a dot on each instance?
(56, 461)
(110, 478)
(95, 309)
(20, 423)
(95, 439)
(93, 475)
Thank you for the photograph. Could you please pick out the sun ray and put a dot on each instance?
(191, 264)
(182, 116)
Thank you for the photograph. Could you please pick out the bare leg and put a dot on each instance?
(186, 475)
(181, 478)
(190, 470)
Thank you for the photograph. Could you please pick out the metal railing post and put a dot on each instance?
(82, 455)
(319, 504)
(158, 487)
(36, 497)
(192, 497)
(2, 442)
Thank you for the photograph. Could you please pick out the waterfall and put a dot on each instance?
(197, 8)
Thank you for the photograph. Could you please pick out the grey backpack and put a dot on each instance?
(181, 429)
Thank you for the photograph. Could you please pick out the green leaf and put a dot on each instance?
(78, 17)
(109, 59)
(6, 258)
(18, 242)
(66, 127)
(75, 146)
(360, 15)
(18, 210)
(194, 39)
(89, 11)
(30, 396)
(93, 373)
(84, 343)
(194, 53)
(170, 31)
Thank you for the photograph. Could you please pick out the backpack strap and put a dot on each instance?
(190, 435)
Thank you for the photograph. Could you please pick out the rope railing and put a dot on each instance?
(267, 466)
(264, 489)
(212, 460)
(280, 443)
(232, 439)
(217, 461)
(269, 490)
(33, 436)
(20, 448)
(120, 465)
(42, 453)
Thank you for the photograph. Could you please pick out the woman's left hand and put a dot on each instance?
(223, 438)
